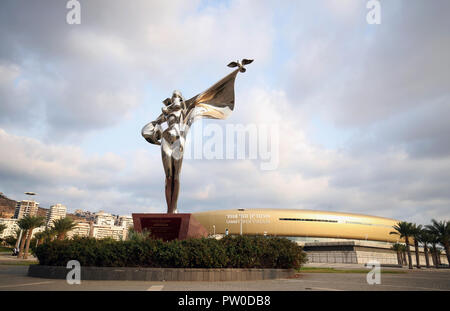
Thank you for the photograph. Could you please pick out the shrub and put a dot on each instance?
(10, 240)
(229, 252)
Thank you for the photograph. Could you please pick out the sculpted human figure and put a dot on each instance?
(217, 102)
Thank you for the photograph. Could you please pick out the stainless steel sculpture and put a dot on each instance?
(217, 102)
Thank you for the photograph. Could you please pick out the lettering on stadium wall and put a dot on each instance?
(247, 218)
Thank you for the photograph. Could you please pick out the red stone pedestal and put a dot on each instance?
(169, 226)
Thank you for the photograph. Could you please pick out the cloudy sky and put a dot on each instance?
(362, 110)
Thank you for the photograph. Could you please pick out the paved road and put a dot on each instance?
(14, 278)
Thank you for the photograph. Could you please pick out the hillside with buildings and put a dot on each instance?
(8, 207)
(98, 225)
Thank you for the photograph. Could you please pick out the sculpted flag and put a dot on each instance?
(217, 102)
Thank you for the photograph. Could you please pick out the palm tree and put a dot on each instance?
(442, 231)
(405, 262)
(34, 222)
(40, 236)
(62, 226)
(417, 230)
(434, 240)
(45, 236)
(438, 256)
(398, 248)
(24, 225)
(433, 256)
(425, 239)
(405, 230)
(17, 233)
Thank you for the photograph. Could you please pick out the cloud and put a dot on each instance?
(14, 93)
(309, 176)
(80, 78)
(391, 184)
(390, 81)
(387, 84)
(62, 173)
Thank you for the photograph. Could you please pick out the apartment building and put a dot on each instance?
(125, 221)
(26, 208)
(104, 219)
(81, 229)
(11, 227)
(55, 212)
(115, 232)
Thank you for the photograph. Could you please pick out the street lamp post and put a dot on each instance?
(240, 215)
(18, 239)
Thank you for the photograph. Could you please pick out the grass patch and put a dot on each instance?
(333, 270)
(4, 249)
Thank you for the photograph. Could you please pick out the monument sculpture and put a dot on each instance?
(178, 114)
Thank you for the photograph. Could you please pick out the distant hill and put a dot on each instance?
(8, 206)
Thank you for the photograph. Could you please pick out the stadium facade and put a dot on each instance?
(328, 237)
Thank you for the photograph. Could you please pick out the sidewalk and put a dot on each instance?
(335, 265)
(6, 258)
(349, 266)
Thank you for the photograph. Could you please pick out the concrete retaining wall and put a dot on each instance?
(161, 274)
(332, 257)
(358, 253)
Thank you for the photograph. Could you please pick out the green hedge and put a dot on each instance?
(229, 252)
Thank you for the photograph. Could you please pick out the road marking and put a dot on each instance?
(324, 288)
(155, 288)
(413, 287)
(381, 285)
(27, 284)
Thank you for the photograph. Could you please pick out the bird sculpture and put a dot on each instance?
(240, 64)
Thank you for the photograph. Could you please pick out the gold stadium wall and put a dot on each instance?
(299, 223)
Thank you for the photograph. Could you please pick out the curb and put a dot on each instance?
(161, 274)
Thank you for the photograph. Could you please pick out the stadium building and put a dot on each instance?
(328, 237)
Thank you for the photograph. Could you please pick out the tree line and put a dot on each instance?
(27, 224)
(430, 236)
